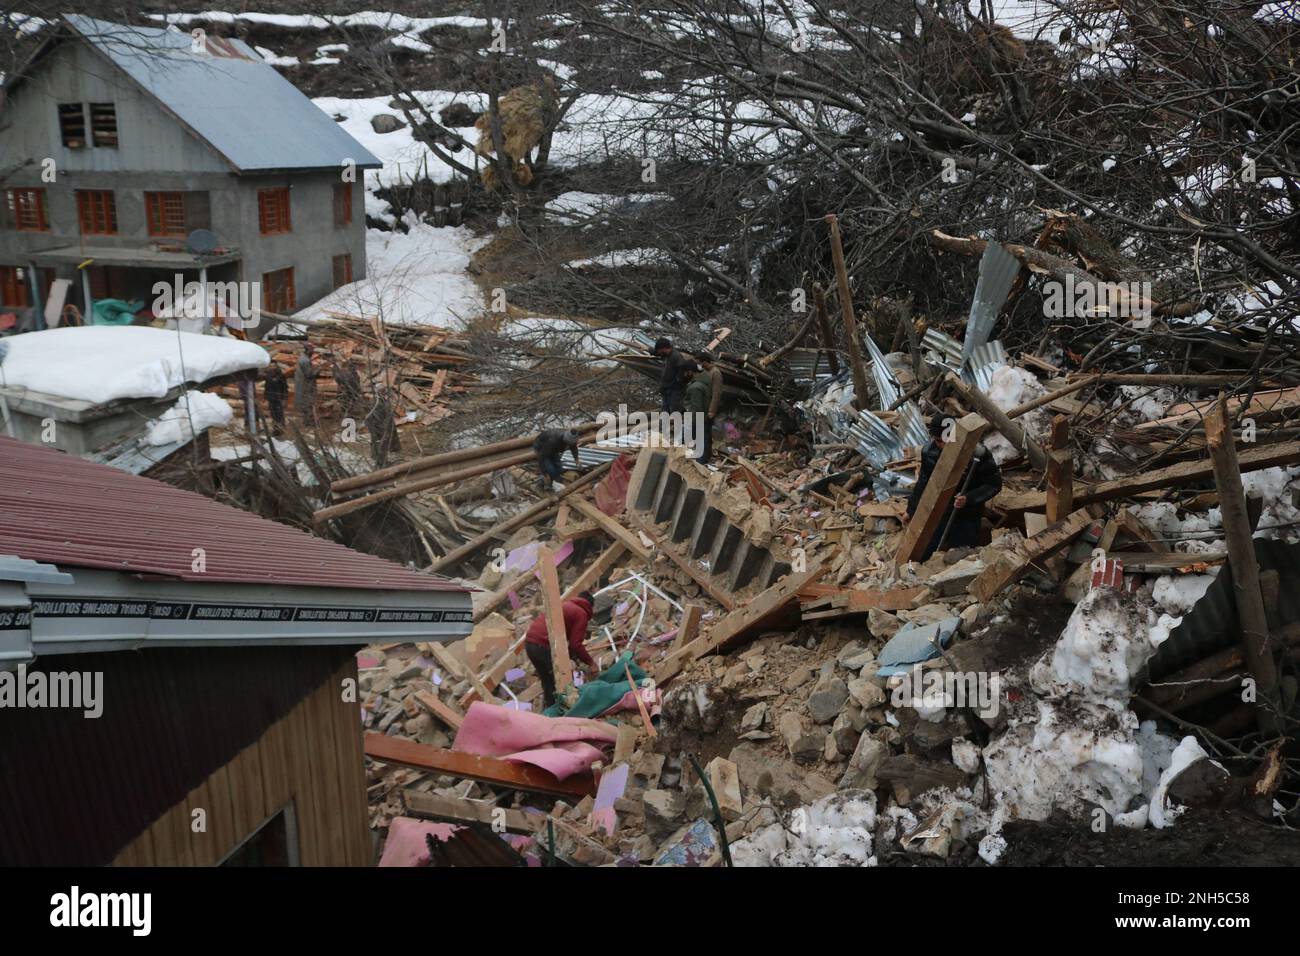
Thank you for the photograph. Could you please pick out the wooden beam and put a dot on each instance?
(503, 773)
(1012, 432)
(1252, 459)
(611, 527)
(699, 577)
(739, 622)
(552, 607)
(593, 572)
(1010, 566)
(449, 715)
(850, 323)
(1060, 484)
(941, 488)
(1243, 564)
(689, 628)
(434, 806)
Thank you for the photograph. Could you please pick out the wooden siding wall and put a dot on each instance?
(312, 756)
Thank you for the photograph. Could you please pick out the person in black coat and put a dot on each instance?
(677, 365)
(982, 480)
(276, 390)
(549, 447)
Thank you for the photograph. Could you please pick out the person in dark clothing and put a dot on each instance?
(349, 382)
(549, 447)
(304, 386)
(672, 384)
(696, 404)
(382, 428)
(537, 643)
(981, 482)
(276, 390)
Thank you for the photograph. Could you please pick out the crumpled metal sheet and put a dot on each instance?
(998, 270)
(886, 384)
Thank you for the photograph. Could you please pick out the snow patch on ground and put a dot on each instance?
(834, 831)
(193, 413)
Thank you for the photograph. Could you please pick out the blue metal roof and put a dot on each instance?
(228, 96)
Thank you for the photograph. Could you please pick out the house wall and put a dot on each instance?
(312, 758)
(238, 731)
(157, 153)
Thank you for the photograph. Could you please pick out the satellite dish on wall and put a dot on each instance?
(202, 241)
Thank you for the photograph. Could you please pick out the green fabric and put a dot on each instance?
(115, 311)
(600, 694)
(698, 395)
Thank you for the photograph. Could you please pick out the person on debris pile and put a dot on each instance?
(276, 390)
(349, 382)
(697, 402)
(304, 385)
(537, 642)
(549, 447)
(382, 428)
(672, 384)
(980, 483)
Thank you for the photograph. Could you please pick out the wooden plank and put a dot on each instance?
(1009, 567)
(1060, 472)
(1242, 563)
(433, 806)
(443, 711)
(503, 773)
(1252, 459)
(610, 527)
(552, 607)
(739, 622)
(941, 488)
(723, 597)
(1167, 562)
(1128, 522)
(687, 630)
(626, 743)
(593, 572)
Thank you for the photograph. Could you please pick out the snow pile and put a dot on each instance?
(413, 278)
(1178, 593)
(1011, 386)
(1147, 404)
(834, 831)
(101, 363)
(1104, 645)
(1163, 519)
(1280, 489)
(193, 413)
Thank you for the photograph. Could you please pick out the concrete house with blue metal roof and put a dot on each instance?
(161, 156)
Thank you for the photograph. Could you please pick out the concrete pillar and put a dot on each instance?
(644, 496)
(672, 486)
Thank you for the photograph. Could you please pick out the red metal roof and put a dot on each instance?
(57, 508)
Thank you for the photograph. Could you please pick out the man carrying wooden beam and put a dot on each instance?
(981, 481)
(578, 612)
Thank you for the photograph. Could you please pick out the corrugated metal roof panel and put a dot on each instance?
(229, 96)
(62, 510)
(998, 269)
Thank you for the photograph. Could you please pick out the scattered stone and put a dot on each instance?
(756, 735)
(804, 747)
(787, 785)
(867, 693)
(386, 123)
(725, 781)
(954, 580)
(911, 776)
(756, 663)
(827, 699)
(830, 752)
(801, 675)
(843, 733)
(754, 717)
(863, 764)
(664, 811)
(882, 624)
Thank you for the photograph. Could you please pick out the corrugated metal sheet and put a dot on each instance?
(998, 269)
(984, 361)
(76, 791)
(886, 384)
(62, 510)
(801, 363)
(229, 97)
(1211, 624)
(874, 439)
(911, 426)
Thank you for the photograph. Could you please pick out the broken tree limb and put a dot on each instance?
(552, 607)
(1243, 564)
(999, 419)
(528, 515)
(493, 770)
(1010, 566)
(942, 486)
(824, 326)
(1254, 459)
(850, 323)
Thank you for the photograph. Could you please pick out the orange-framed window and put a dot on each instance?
(273, 211)
(342, 269)
(27, 206)
(14, 293)
(97, 212)
(278, 293)
(342, 204)
(165, 213)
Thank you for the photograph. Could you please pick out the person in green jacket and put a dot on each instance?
(696, 403)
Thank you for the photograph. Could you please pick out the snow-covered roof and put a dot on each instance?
(228, 96)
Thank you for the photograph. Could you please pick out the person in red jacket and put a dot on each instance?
(537, 642)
